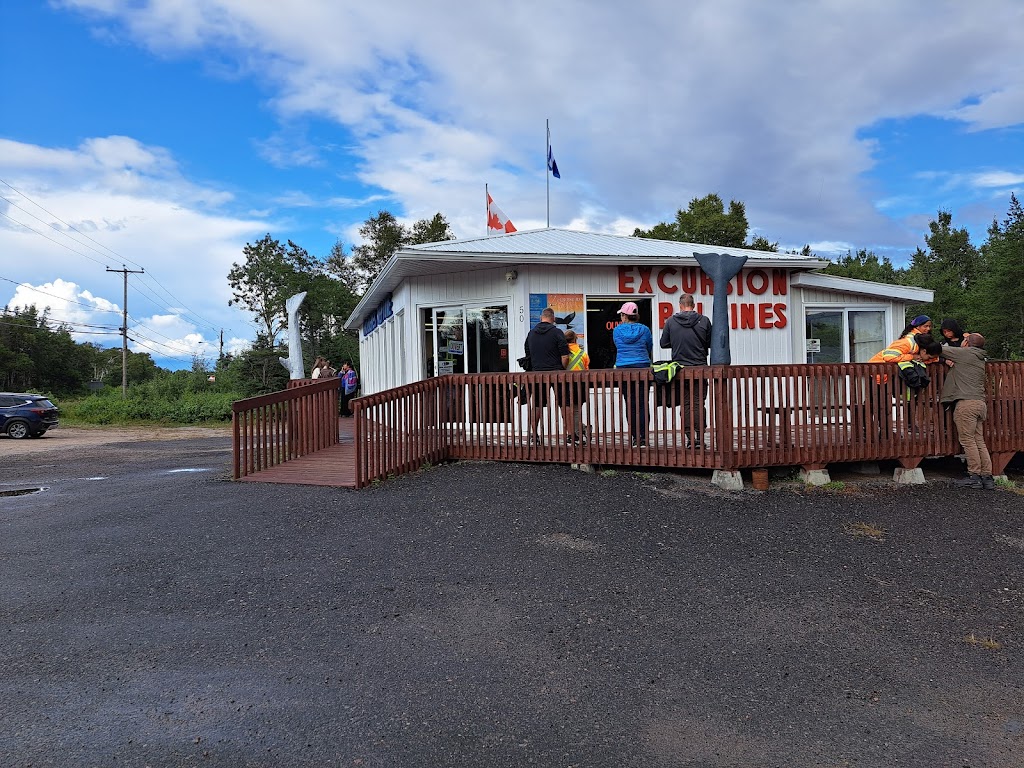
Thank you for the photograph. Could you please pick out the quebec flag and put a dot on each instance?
(552, 165)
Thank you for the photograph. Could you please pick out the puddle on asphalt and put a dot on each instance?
(201, 469)
(22, 491)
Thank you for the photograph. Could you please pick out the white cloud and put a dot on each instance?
(998, 179)
(651, 103)
(119, 203)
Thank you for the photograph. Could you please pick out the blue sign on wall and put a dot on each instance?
(384, 310)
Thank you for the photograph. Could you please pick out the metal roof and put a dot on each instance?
(547, 246)
(566, 242)
(864, 287)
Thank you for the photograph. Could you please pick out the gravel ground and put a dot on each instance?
(157, 614)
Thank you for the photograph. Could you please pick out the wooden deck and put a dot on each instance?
(804, 416)
(332, 466)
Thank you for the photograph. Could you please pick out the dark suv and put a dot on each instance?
(23, 415)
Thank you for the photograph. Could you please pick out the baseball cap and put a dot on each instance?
(629, 308)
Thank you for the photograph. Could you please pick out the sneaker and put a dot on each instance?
(988, 482)
(971, 481)
(641, 444)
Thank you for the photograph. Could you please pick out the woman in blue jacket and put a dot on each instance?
(634, 344)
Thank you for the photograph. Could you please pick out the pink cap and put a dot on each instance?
(629, 308)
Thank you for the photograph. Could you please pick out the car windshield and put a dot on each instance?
(43, 404)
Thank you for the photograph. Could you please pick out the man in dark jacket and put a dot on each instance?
(688, 334)
(964, 391)
(548, 351)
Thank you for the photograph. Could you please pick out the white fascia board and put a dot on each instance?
(864, 287)
(392, 274)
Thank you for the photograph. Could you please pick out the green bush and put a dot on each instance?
(154, 401)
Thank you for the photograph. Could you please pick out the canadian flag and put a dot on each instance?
(496, 220)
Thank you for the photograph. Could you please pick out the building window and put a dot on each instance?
(844, 335)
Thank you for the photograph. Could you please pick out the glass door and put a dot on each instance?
(487, 339)
(449, 340)
(824, 336)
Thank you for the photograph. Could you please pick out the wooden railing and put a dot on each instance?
(755, 416)
(402, 429)
(271, 429)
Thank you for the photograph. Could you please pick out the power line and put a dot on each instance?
(202, 321)
(69, 226)
(62, 245)
(157, 351)
(55, 228)
(51, 330)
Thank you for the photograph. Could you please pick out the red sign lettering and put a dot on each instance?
(625, 280)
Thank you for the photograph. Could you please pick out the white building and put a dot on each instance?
(465, 306)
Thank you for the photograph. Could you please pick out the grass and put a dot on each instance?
(861, 530)
(608, 473)
(988, 643)
(644, 475)
(1009, 485)
(835, 486)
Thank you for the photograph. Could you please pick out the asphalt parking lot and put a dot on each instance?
(157, 614)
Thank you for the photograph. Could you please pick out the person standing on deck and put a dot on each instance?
(634, 344)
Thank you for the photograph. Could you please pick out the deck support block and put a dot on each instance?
(907, 476)
(727, 479)
(587, 468)
(814, 476)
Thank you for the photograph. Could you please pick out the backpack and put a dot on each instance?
(914, 374)
(665, 372)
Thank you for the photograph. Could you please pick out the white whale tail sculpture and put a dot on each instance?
(294, 360)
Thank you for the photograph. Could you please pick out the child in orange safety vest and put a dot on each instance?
(572, 406)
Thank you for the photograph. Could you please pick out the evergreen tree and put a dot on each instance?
(865, 265)
(950, 267)
(706, 221)
(999, 301)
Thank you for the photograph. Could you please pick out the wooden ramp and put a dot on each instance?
(332, 466)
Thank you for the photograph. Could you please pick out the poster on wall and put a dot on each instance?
(570, 310)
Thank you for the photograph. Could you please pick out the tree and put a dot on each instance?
(433, 230)
(761, 243)
(342, 267)
(950, 267)
(999, 302)
(865, 265)
(271, 273)
(384, 235)
(705, 221)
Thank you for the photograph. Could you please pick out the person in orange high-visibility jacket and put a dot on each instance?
(572, 410)
(913, 346)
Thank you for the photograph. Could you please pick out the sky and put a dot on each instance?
(165, 135)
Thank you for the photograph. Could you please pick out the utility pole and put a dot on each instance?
(221, 355)
(124, 327)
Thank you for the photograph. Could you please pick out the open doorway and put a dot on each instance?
(602, 317)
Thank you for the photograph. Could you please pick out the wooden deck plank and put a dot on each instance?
(334, 466)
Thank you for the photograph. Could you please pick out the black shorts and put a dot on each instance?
(565, 393)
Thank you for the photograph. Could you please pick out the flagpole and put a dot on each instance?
(547, 167)
(487, 212)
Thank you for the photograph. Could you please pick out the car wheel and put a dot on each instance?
(17, 429)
